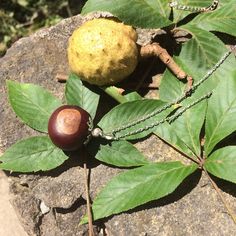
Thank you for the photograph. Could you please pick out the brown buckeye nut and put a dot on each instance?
(68, 127)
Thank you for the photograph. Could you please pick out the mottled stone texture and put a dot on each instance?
(193, 209)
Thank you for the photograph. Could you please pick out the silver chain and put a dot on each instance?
(97, 132)
(212, 7)
(167, 119)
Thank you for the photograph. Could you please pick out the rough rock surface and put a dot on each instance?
(52, 203)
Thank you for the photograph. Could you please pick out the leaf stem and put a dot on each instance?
(115, 93)
(90, 220)
(228, 208)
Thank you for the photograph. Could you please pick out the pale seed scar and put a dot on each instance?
(68, 121)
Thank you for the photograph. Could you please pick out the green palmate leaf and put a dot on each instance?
(138, 186)
(121, 153)
(131, 112)
(221, 113)
(225, 2)
(171, 88)
(167, 133)
(221, 20)
(196, 58)
(78, 94)
(32, 104)
(180, 14)
(144, 14)
(188, 126)
(222, 162)
(202, 52)
(184, 132)
(31, 155)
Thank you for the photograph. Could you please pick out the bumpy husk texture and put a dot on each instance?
(103, 51)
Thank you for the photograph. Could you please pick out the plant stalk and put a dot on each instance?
(115, 93)
(90, 219)
(228, 208)
(155, 49)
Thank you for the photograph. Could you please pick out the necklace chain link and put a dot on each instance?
(212, 7)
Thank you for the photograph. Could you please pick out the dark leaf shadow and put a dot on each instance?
(78, 203)
(187, 19)
(225, 186)
(226, 38)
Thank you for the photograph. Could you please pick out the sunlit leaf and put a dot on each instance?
(121, 153)
(78, 94)
(222, 162)
(196, 58)
(221, 20)
(201, 52)
(31, 155)
(188, 126)
(221, 113)
(144, 14)
(168, 134)
(32, 104)
(130, 113)
(132, 96)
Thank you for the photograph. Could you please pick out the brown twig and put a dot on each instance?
(230, 211)
(61, 77)
(90, 219)
(155, 49)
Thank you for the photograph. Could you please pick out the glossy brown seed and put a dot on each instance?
(68, 127)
